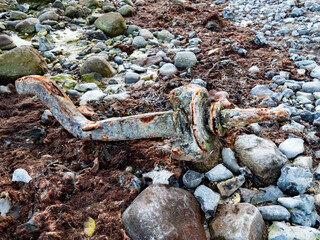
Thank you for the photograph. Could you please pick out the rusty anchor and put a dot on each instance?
(194, 123)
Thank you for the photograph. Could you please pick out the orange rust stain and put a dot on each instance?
(90, 127)
(197, 141)
(105, 138)
(147, 119)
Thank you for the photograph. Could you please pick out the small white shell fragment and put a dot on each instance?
(21, 175)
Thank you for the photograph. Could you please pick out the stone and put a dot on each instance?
(260, 39)
(126, 10)
(27, 26)
(192, 179)
(316, 173)
(98, 64)
(292, 147)
(131, 77)
(261, 90)
(304, 161)
(168, 69)
(159, 176)
(70, 11)
(208, 200)
(274, 213)
(19, 62)
(112, 24)
(199, 81)
(5, 205)
(315, 73)
(21, 175)
(165, 35)
(45, 44)
(130, 182)
(84, 87)
(261, 156)
(311, 87)
(139, 42)
(241, 221)
(283, 231)
(254, 69)
(93, 95)
(164, 212)
(146, 34)
(265, 195)
(219, 173)
(294, 179)
(35, 3)
(230, 160)
(6, 43)
(185, 59)
(228, 187)
(49, 15)
(17, 15)
(302, 209)
(5, 89)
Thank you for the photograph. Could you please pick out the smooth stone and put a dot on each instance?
(146, 34)
(164, 212)
(254, 69)
(199, 81)
(70, 11)
(283, 231)
(168, 69)
(93, 95)
(185, 59)
(5, 89)
(139, 42)
(192, 179)
(294, 179)
(219, 173)
(21, 61)
(228, 187)
(6, 43)
(27, 26)
(17, 15)
(112, 24)
(261, 90)
(131, 77)
(208, 200)
(84, 87)
(241, 221)
(45, 45)
(315, 73)
(98, 64)
(229, 159)
(126, 10)
(265, 195)
(165, 35)
(5, 205)
(304, 161)
(311, 87)
(292, 147)
(261, 156)
(316, 173)
(274, 213)
(50, 15)
(21, 175)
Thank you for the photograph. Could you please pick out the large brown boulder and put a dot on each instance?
(164, 212)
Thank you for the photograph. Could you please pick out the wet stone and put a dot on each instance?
(126, 11)
(294, 179)
(185, 59)
(164, 212)
(131, 77)
(27, 25)
(228, 187)
(208, 200)
(274, 213)
(6, 43)
(139, 42)
(192, 179)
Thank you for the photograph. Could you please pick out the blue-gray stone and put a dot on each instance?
(219, 173)
(192, 179)
(265, 195)
(292, 147)
(131, 77)
(294, 179)
(315, 73)
(21, 175)
(229, 159)
(260, 39)
(274, 213)
(168, 69)
(199, 82)
(311, 87)
(261, 90)
(185, 59)
(208, 200)
(279, 79)
(139, 42)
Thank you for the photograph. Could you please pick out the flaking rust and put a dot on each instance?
(194, 123)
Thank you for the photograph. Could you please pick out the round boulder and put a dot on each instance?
(27, 26)
(185, 59)
(112, 24)
(19, 62)
(99, 65)
(164, 212)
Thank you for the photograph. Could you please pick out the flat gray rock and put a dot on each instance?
(274, 213)
(219, 173)
(292, 147)
(280, 230)
(208, 199)
(229, 159)
(192, 179)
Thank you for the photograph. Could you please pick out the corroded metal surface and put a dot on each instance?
(194, 122)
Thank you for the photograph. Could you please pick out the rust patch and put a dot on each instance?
(147, 119)
(90, 127)
(197, 141)
(105, 138)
